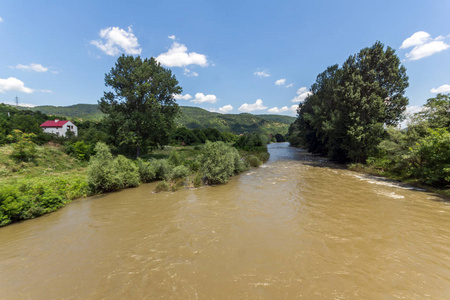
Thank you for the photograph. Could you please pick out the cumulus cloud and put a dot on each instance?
(302, 94)
(258, 105)
(31, 67)
(423, 45)
(190, 73)
(442, 89)
(13, 84)
(115, 40)
(181, 97)
(172, 37)
(261, 73)
(201, 98)
(276, 110)
(290, 85)
(178, 56)
(226, 109)
(418, 38)
(281, 81)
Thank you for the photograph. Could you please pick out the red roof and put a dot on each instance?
(55, 123)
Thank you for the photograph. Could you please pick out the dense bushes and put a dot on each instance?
(30, 198)
(422, 151)
(108, 174)
(218, 162)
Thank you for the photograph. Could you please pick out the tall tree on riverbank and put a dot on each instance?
(350, 106)
(140, 109)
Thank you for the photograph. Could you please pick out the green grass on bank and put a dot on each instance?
(51, 179)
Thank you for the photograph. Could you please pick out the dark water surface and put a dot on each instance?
(298, 227)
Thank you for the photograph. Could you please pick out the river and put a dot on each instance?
(297, 227)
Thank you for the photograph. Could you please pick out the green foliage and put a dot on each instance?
(436, 113)
(147, 171)
(218, 162)
(140, 110)
(86, 112)
(24, 148)
(108, 174)
(431, 158)
(175, 158)
(345, 115)
(29, 198)
(252, 142)
(253, 161)
(197, 180)
(162, 167)
(180, 172)
(127, 172)
(162, 186)
(198, 118)
(80, 150)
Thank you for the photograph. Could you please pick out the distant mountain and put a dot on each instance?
(78, 111)
(191, 117)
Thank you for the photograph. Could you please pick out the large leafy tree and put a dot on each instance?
(372, 95)
(140, 107)
(345, 118)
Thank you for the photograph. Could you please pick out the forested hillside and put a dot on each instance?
(190, 117)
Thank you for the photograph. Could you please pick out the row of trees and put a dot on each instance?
(353, 111)
(346, 115)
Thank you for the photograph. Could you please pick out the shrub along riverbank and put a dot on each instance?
(48, 178)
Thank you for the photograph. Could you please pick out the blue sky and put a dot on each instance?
(229, 56)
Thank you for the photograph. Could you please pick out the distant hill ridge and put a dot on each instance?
(191, 117)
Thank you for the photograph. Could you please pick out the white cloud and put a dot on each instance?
(177, 56)
(190, 73)
(281, 81)
(261, 73)
(293, 108)
(116, 40)
(418, 38)
(181, 97)
(46, 91)
(1, 20)
(31, 67)
(302, 94)
(201, 98)
(225, 109)
(290, 85)
(258, 105)
(442, 89)
(20, 104)
(277, 110)
(13, 84)
(423, 45)
(172, 37)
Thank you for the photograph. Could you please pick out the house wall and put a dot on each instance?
(61, 131)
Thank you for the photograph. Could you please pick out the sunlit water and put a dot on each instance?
(298, 227)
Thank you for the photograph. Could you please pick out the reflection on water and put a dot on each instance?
(299, 226)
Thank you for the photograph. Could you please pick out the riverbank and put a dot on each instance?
(371, 170)
(52, 178)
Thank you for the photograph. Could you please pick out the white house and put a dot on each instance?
(59, 127)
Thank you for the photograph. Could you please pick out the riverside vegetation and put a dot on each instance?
(40, 173)
(351, 117)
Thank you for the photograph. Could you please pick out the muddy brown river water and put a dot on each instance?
(298, 227)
